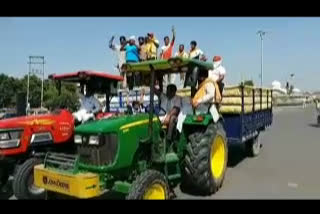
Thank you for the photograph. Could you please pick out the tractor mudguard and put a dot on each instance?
(198, 120)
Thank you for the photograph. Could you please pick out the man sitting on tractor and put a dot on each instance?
(170, 104)
(89, 107)
(218, 73)
(207, 96)
(137, 105)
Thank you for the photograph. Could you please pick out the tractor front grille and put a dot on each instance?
(102, 154)
(60, 161)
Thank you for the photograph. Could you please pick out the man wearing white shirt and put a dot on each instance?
(171, 104)
(89, 107)
(121, 55)
(218, 73)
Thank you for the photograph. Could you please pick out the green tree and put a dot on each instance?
(68, 98)
(9, 86)
(248, 83)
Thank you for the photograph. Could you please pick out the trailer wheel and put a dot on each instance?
(253, 147)
(206, 161)
(23, 187)
(150, 185)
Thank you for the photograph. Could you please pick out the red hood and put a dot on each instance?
(21, 122)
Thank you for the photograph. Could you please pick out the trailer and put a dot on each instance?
(246, 111)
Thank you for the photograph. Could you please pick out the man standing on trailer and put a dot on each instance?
(121, 55)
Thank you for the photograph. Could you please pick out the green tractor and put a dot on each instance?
(130, 154)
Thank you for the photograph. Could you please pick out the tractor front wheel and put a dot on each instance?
(205, 161)
(23, 181)
(150, 185)
(4, 176)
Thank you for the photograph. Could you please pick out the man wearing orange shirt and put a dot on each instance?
(166, 53)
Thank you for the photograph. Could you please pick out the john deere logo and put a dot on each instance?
(56, 182)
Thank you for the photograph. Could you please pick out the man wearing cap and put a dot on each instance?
(218, 73)
(132, 50)
(152, 47)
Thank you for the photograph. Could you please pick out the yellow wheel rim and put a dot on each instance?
(217, 157)
(155, 192)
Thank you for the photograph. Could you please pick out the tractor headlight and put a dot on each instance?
(10, 138)
(4, 136)
(94, 140)
(77, 139)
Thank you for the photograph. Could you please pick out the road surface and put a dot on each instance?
(288, 166)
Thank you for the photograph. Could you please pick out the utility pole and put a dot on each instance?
(261, 34)
(35, 60)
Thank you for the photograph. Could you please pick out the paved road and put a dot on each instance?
(288, 166)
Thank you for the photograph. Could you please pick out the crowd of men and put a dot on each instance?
(147, 49)
(210, 84)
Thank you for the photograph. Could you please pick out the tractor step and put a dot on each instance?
(174, 177)
(172, 158)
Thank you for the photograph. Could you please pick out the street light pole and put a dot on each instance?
(261, 34)
(42, 83)
(27, 106)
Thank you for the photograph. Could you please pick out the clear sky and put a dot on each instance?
(70, 44)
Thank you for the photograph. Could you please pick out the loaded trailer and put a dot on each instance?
(246, 112)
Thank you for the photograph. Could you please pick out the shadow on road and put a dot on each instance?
(111, 196)
(236, 155)
(314, 125)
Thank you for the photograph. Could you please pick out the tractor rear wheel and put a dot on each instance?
(23, 182)
(150, 185)
(205, 161)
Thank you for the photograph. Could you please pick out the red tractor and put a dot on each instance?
(24, 141)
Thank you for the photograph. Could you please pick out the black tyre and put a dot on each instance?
(150, 185)
(253, 147)
(23, 187)
(4, 176)
(205, 161)
(318, 119)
